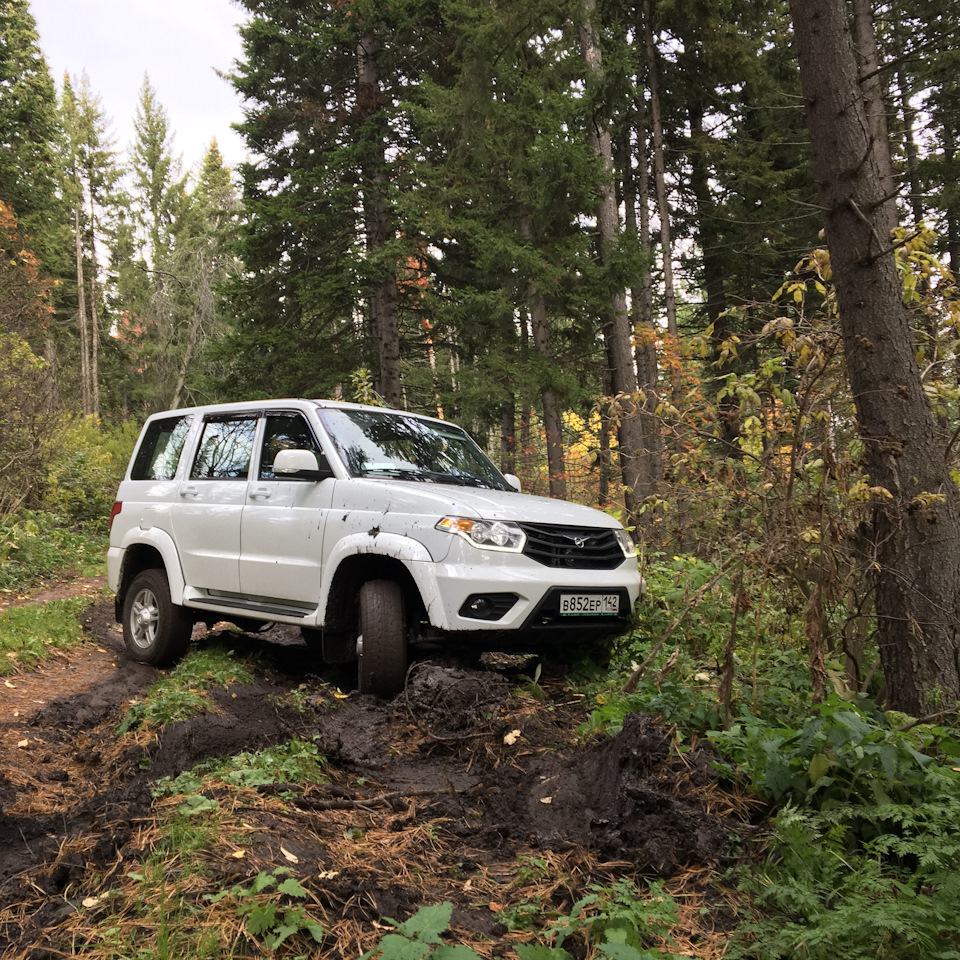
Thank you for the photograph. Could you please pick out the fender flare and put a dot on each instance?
(162, 542)
(414, 556)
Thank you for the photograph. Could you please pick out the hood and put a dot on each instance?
(418, 497)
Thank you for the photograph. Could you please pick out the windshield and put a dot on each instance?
(375, 444)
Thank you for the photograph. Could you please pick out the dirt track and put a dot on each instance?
(425, 802)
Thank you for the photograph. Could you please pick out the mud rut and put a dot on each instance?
(440, 795)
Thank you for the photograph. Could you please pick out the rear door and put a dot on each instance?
(211, 500)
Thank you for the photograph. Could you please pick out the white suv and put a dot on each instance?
(367, 527)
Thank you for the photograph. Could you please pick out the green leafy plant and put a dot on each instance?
(838, 754)
(616, 919)
(820, 898)
(420, 937)
(267, 918)
(866, 849)
(295, 761)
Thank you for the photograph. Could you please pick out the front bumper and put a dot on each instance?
(524, 597)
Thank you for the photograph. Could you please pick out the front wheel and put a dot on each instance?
(155, 629)
(382, 639)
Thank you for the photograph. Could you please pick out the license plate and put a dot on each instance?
(584, 604)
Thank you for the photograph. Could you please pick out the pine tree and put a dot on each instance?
(203, 262)
(149, 292)
(29, 135)
(506, 174)
(324, 252)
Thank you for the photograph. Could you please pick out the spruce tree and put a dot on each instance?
(29, 134)
(325, 255)
(149, 292)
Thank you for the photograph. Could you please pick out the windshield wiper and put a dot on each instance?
(429, 476)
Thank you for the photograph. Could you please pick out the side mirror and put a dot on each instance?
(514, 482)
(300, 465)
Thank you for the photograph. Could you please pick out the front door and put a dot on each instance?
(282, 528)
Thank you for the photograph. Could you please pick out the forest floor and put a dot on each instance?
(472, 787)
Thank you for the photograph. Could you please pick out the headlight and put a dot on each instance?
(486, 534)
(628, 547)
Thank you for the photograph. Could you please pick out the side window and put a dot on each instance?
(224, 450)
(160, 450)
(284, 431)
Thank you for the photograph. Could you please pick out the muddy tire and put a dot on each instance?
(155, 630)
(381, 639)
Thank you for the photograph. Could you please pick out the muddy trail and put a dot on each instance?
(471, 787)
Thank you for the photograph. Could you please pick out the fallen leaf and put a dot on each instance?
(238, 854)
(7, 683)
(91, 901)
(328, 874)
(23, 743)
(511, 738)
(292, 857)
(546, 799)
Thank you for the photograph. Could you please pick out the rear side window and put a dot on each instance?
(160, 450)
(224, 450)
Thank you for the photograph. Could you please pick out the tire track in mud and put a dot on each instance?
(461, 769)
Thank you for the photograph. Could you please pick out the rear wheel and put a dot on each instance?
(155, 630)
(381, 639)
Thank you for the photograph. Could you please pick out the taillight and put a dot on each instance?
(114, 510)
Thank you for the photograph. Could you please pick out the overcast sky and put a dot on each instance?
(180, 44)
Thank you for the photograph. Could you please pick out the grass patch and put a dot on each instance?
(169, 906)
(31, 634)
(182, 693)
(296, 761)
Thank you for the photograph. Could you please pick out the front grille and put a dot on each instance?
(572, 548)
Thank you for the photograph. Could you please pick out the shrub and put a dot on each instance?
(86, 465)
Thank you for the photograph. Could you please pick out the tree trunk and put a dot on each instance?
(708, 237)
(910, 151)
(552, 421)
(86, 401)
(94, 317)
(508, 435)
(917, 523)
(637, 214)
(203, 304)
(952, 244)
(617, 331)
(867, 59)
(378, 221)
(660, 174)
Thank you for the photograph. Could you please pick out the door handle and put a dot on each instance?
(191, 490)
(260, 493)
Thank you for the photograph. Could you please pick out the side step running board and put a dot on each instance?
(250, 606)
